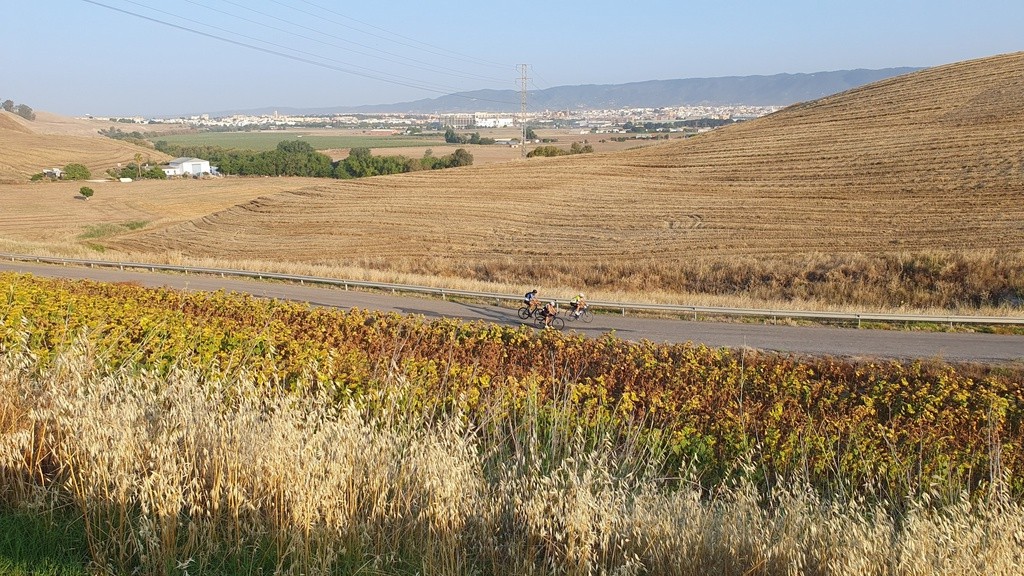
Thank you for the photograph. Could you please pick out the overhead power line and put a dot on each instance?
(387, 78)
(395, 58)
(416, 44)
(369, 70)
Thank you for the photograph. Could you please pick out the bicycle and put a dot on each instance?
(526, 312)
(556, 321)
(585, 315)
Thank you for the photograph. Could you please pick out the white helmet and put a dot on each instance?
(582, 295)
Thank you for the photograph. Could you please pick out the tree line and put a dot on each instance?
(453, 137)
(135, 137)
(22, 110)
(297, 158)
(575, 148)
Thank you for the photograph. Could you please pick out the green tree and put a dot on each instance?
(8, 105)
(25, 112)
(546, 151)
(530, 134)
(154, 173)
(450, 136)
(578, 148)
(461, 157)
(76, 172)
(359, 163)
(86, 192)
(295, 147)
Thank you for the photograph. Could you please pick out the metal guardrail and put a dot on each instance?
(622, 307)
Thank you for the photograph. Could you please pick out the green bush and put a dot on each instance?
(76, 172)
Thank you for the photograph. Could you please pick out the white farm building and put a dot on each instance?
(187, 167)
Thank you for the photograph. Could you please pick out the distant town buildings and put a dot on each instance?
(591, 120)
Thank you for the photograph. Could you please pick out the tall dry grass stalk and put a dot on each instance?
(175, 474)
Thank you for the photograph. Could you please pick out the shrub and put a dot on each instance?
(76, 172)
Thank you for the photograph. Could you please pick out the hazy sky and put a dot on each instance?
(144, 57)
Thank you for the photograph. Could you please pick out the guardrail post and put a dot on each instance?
(858, 320)
(443, 296)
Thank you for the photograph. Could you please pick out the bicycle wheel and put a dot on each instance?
(524, 312)
(587, 316)
(557, 323)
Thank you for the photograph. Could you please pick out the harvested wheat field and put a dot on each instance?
(54, 141)
(901, 194)
(925, 164)
(52, 218)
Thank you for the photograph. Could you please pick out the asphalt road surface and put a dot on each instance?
(817, 340)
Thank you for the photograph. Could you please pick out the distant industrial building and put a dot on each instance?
(188, 167)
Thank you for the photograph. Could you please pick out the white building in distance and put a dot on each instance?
(187, 167)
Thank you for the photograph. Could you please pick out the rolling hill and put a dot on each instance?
(913, 185)
(929, 160)
(51, 141)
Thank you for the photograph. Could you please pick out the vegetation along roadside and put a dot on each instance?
(214, 432)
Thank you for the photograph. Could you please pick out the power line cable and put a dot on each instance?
(423, 65)
(436, 86)
(454, 54)
(407, 82)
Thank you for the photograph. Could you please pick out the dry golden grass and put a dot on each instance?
(54, 141)
(929, 161)
(52, 217)
(928, 167)
(174, 472)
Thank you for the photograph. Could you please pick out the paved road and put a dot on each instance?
(848, 342)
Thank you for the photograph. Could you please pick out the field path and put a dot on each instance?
(845, 342)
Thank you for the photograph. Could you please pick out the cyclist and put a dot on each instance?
(531, 300)
(578, 304)
(549, 312)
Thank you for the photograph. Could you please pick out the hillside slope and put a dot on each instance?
(928, 161)
(51, 141)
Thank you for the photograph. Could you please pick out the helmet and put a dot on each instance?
(581, 295)
(552, 303)
(534, 291)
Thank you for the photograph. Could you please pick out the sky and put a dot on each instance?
(152, 58)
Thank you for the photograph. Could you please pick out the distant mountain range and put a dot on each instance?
(774, 90)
